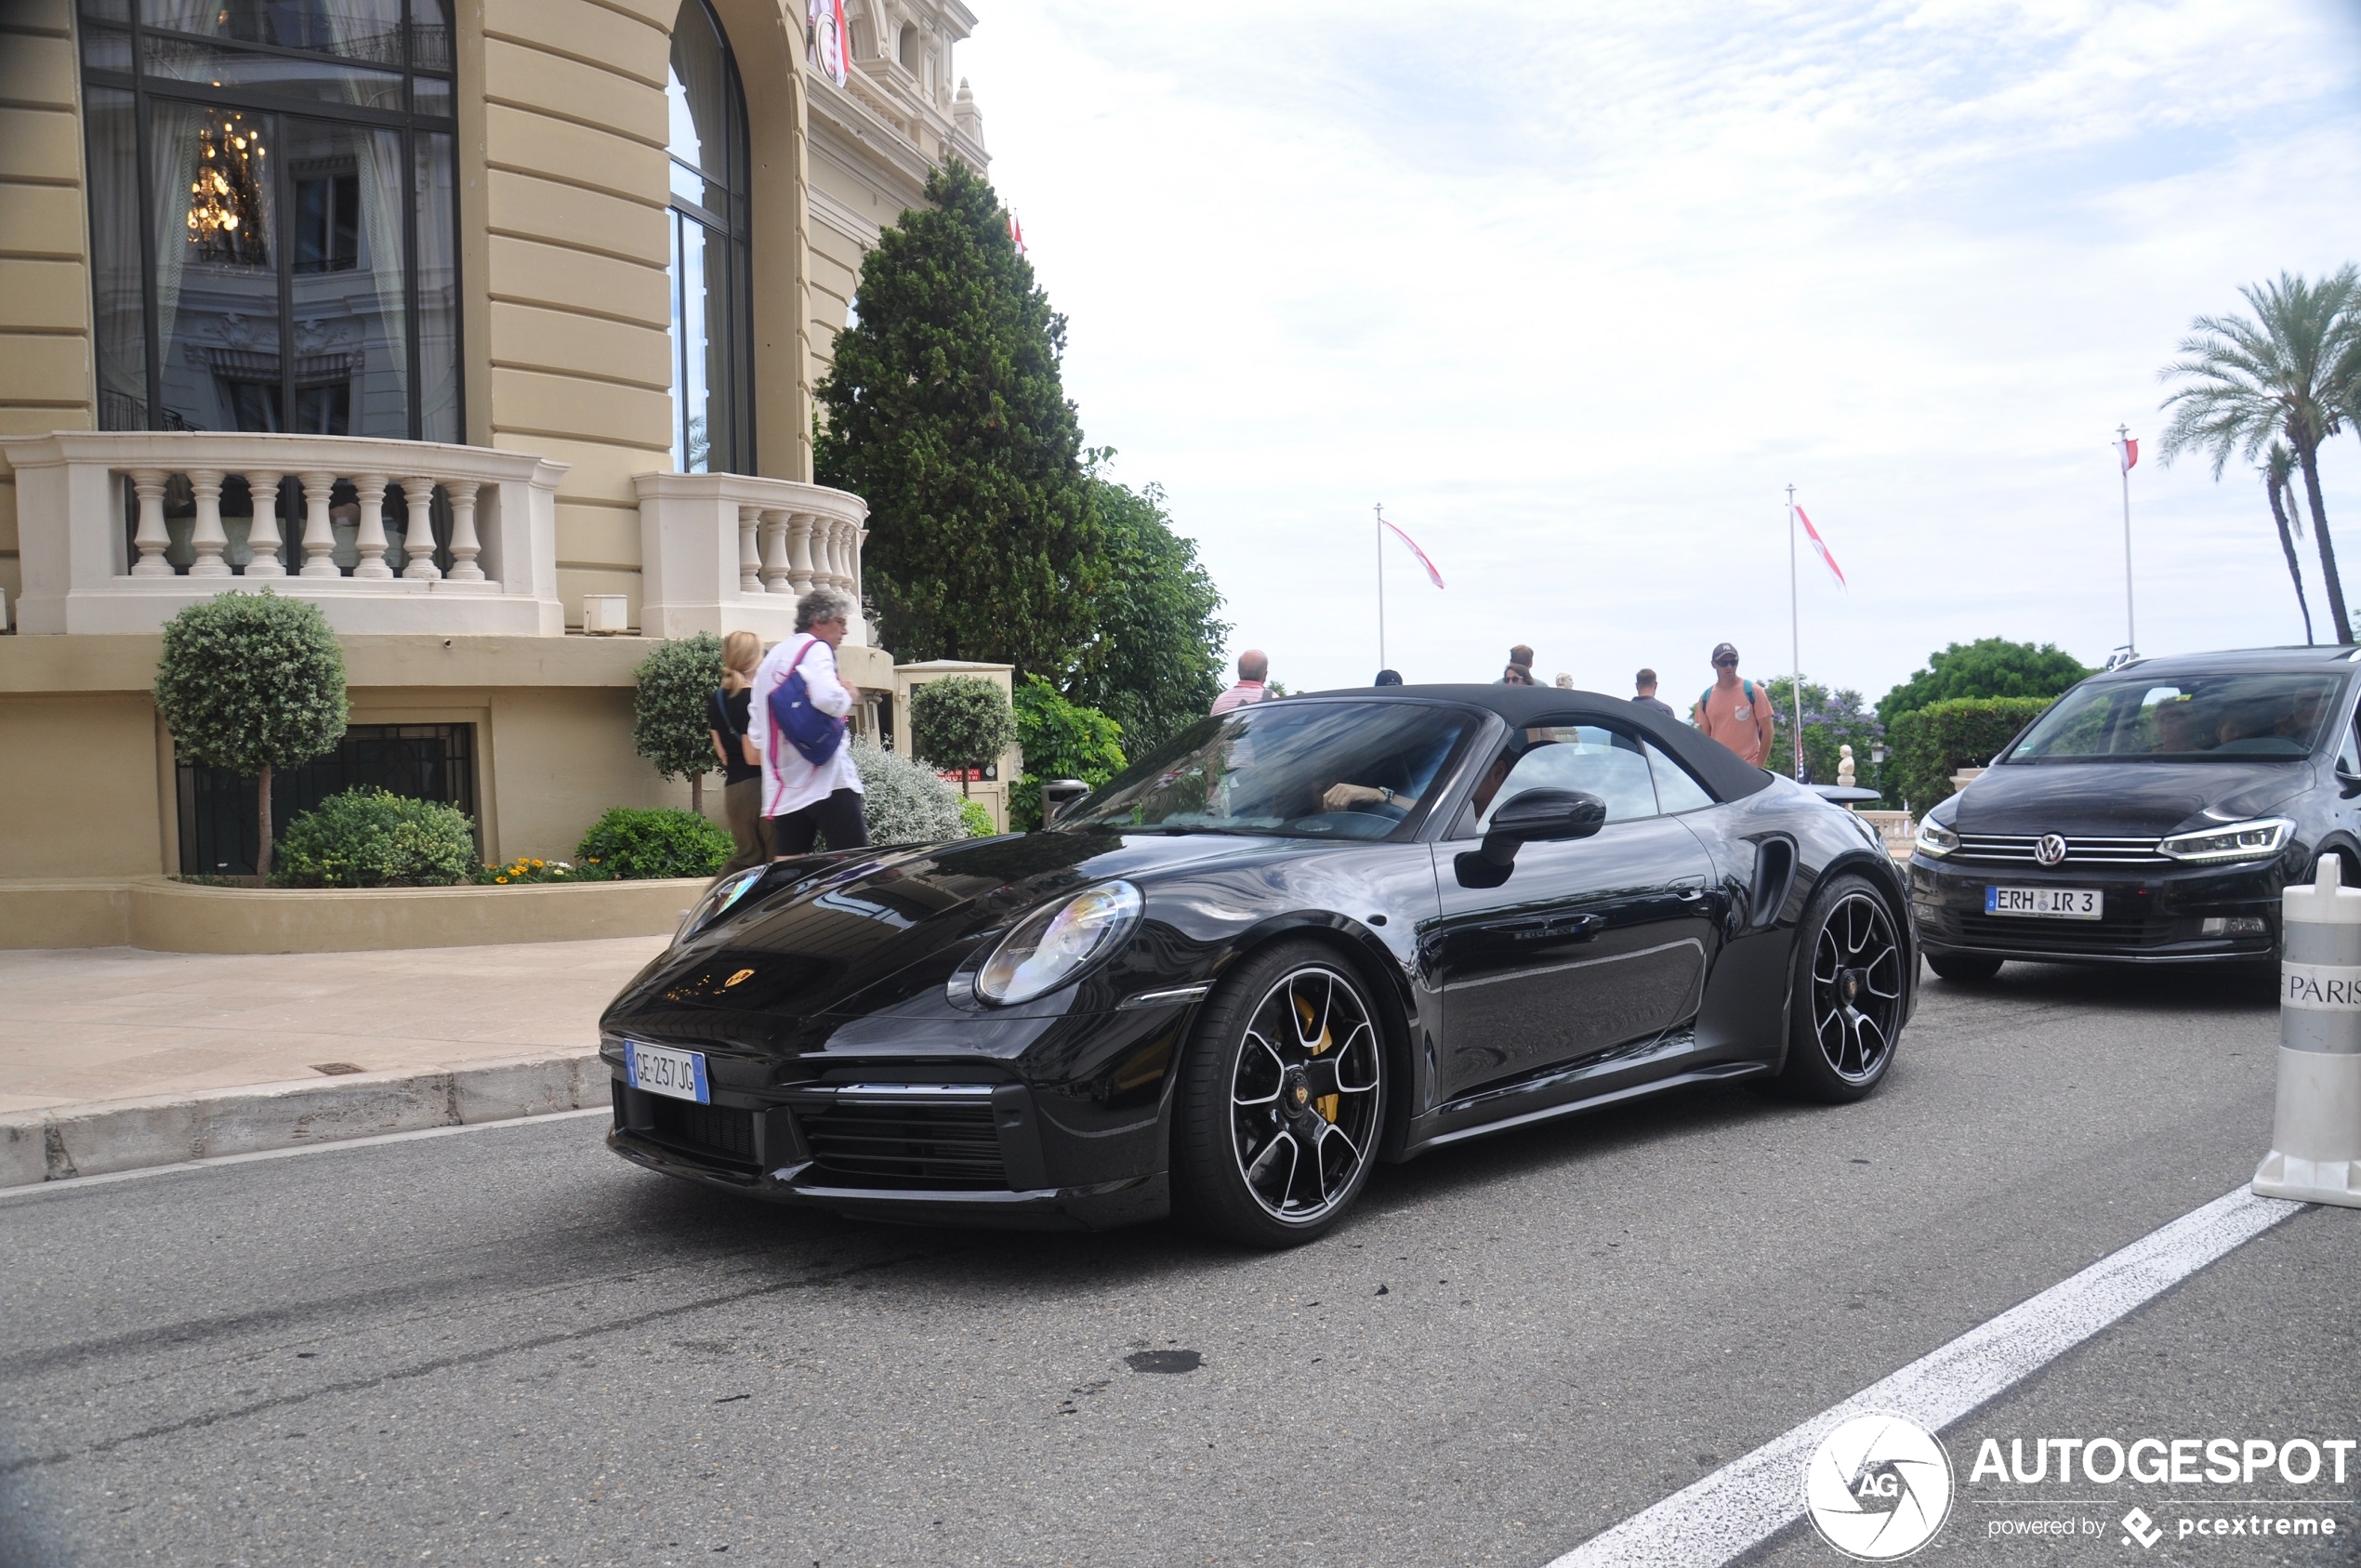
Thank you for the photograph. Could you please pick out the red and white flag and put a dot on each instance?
(1821, 545)
(827, 40)
(1432, 573)
(1016, 233)
(2129, 450)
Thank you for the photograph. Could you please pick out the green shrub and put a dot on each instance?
(375, 838)
(1060, 739)
(902, 801)
(1930, 744)
(960, 722)
(254, 683)
(977, 820)
(671, 726)
(640, 844)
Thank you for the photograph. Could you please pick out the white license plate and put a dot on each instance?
(2056, 904)
(679, 1074)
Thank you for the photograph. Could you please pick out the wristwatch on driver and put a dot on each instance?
(1385, 793)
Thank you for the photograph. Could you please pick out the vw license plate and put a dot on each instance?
(2057, 903)
(679, 1074)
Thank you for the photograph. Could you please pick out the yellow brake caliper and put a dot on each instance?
(1326, 1104)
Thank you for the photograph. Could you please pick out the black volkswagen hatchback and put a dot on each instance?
(1301, 938)
(2152, 815)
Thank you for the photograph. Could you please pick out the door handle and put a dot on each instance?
(1582, 928)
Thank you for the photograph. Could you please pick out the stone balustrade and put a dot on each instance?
(118, 530)
(732, 552)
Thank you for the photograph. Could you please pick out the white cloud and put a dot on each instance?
(1576, 291)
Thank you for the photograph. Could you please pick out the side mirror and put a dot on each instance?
(2348, 781)
(1057, 795)
(1535, 814)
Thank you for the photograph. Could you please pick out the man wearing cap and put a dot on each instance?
(1736, 712)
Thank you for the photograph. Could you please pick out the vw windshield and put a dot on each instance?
(2199, 717)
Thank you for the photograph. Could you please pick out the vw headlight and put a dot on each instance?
(1056, 944)
(718, 901)
(1935, 840)
(2233, 841)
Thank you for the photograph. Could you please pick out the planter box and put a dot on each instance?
(168, 916)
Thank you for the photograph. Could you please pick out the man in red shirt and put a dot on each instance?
(1736, 712)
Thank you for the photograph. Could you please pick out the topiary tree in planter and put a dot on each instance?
(671, 724)
(254, 683)
(960, 722)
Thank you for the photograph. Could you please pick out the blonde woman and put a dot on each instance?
(741, 766)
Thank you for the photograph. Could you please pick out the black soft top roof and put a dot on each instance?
(1525, 708)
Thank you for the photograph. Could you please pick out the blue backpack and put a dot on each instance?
(815, 736)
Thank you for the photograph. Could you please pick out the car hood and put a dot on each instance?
(852, 933)
(2122, 800)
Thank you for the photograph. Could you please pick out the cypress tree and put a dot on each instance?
(946, 412)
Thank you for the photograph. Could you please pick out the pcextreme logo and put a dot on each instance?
(1877, 1487)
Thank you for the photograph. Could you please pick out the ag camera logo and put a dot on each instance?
(1877, 1488)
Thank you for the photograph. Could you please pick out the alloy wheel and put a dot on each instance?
(1303, 1095)
(1856, 987)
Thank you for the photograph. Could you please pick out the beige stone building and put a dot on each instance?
(485, 325)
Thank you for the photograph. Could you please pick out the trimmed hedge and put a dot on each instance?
(1929, 745)
(375, 838)
(640, 843)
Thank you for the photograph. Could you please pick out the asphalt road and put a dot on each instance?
(507, 1346)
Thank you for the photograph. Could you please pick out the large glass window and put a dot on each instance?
(273, 198)
(712, 299)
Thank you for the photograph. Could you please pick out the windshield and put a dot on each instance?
(1312, 769)
(2253, 717)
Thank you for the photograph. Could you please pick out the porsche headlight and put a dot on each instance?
(2233, 841)
(1935, 840)
(717, 902)
(1056, 944)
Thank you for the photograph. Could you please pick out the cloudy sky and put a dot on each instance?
(1578, 290)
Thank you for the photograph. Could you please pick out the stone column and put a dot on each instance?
(207, 538)
(417, 495)
(369, 528)
(464, 547)
(319, 534)
(773, 573)
(798, 553)
(262, 534)
(749, 551)
(151, 540)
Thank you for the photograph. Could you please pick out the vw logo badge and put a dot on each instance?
(2050, 849)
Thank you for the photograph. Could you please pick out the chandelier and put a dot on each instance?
(225, 196)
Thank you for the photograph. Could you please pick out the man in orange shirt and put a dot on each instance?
(1736, 712)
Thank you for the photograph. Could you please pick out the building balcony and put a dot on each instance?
(733, 552)
(118, 531)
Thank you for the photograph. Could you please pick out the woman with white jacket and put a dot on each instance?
(805, 799)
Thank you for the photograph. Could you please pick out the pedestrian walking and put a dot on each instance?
(732, 704)
(805, 799)
(1254, 672)
(1520, 658)
(1644, 689)
(1733, 711)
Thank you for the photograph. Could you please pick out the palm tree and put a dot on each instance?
(2277, 375)
(2278, 480)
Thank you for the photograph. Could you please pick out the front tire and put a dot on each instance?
(1282, 1100)
(1964, 968)
(1845, 1017)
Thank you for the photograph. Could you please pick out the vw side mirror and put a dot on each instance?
(2348, 781)
(1534, 815)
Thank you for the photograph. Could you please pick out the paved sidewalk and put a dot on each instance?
(83, 1025)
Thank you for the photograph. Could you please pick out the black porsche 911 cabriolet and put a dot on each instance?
(1301, 937)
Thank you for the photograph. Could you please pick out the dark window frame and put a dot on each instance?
(147, 86)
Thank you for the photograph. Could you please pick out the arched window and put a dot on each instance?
(273, 201)
(907, 50)
(712, 298)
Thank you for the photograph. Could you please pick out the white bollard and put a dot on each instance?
(2316, 1145)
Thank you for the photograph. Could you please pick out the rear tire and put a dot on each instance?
(1963, 968)
(1845, 1012)
(1282, 1100)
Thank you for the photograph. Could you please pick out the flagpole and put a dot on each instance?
(1795, 638)
(1379, 509)
(2122, 450)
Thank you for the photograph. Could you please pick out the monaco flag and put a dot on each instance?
(2129, 450)
(827, 41)
(1432, 573)
(1821, 545)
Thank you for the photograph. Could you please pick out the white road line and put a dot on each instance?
(327, 1147)
(1752, 1498)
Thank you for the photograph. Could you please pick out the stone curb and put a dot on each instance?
(106, 1135)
